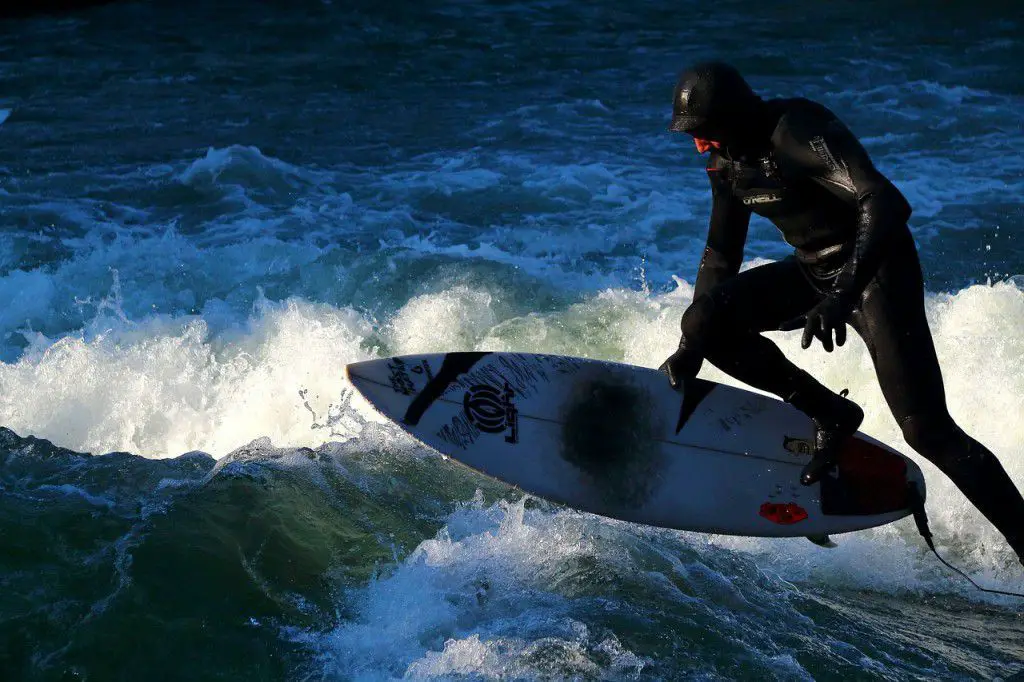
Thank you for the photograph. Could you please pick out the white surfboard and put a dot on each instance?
(617, 440)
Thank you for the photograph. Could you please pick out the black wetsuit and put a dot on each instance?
(848, 223)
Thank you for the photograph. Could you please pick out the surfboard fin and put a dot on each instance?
(822, 541)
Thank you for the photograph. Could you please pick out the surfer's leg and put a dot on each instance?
(727, 323)
(892, 322)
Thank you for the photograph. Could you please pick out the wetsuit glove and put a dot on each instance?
(683, 364)
(823, 319)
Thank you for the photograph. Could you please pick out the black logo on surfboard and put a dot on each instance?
(492, 411)
(399, 378)
(452, 366)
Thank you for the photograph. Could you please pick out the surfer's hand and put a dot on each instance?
(823, 319)
(683, 364)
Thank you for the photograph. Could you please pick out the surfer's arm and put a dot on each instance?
(722, 257)
(727, 232)
(813, 143)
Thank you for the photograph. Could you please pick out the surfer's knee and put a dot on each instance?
(708, 317)
(938, 438)
(698, 320)
(928, 434)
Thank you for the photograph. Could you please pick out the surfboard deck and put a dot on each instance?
(617, 440)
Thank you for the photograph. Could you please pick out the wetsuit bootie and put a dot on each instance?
(835, 419)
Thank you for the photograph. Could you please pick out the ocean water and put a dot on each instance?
(208, 208)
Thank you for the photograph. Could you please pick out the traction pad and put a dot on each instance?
(871, 480)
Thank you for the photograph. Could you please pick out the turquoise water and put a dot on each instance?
(208, 209)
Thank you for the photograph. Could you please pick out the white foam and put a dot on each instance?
(432, 323)
(978, 340)
(501, 587)
(477, 599)
(167, 385)
(507, 593)
(517, 658)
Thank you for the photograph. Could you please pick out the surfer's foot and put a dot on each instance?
(835, 419)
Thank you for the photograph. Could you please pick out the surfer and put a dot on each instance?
(795, 163)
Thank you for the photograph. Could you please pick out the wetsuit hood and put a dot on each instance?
(712, 101)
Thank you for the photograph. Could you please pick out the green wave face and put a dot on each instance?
(117, 566)
(373, 559)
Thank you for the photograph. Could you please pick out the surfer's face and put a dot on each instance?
(705, 145)
(707, 136)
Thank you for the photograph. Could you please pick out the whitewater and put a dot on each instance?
(203, 220)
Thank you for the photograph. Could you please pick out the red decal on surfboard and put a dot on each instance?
(783, 514)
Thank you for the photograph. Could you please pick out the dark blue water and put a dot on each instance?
(208, 209)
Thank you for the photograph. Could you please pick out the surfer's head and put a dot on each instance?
(713, 103)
